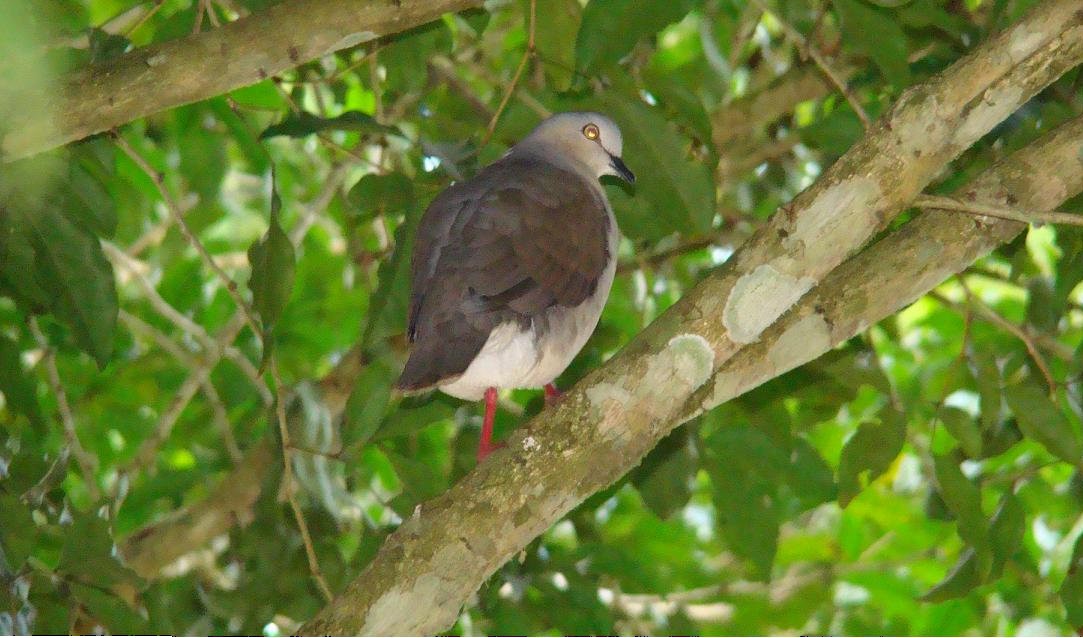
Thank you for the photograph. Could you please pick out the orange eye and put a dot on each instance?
(591, 132)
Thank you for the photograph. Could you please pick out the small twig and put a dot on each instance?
(86, 460)
(147, 16)
(1019, 333)
(218, 409)
(288, 481)
(145, 455)
(952, 204)
(186, 231)
(121, 259)
(809, 51)
(529, 53)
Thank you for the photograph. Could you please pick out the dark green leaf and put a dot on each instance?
(18, 533)
(963, 498)
(88, 554)
(960, 581)
(986, 374)
(557, 25)
(610, 28)
(18, 387)
(273, 262)
(1006, 532)
(1041, 420)
(664, 476)
(304, 123)
(963, 427)
(869, 453)
(381, 195)
(72, 269)
(876, 33)
(1071, 590)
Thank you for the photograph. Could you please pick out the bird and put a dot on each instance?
(511, 268)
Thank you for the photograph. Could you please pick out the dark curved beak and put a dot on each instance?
(622, 169)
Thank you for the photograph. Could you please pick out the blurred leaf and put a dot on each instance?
(18, 388)
(305, 123)
(71, 268)
(610, 28)
(745, 469)
(1006, 532)
(273, 262)
(88, 554)
(963, 428)
(376, 194)
(960, 581)
(875, 32)
(104, 46)
(664, 476)
(18, 533)
(987, 377)
(869, 453)
(1071, 590)
(963, 498)
(1041, 420)
(557, 24)
(1043, 311)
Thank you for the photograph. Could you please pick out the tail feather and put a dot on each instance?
(431, 364)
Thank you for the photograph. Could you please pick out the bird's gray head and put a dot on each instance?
(590, 139)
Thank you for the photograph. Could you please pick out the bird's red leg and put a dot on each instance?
(552, 394)
(485, 446)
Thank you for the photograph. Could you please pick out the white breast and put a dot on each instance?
(517, 358)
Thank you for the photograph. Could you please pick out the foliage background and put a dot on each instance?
(918, 480)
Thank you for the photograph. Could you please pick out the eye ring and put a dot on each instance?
(591, 132)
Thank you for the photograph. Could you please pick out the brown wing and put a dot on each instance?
(521, 237)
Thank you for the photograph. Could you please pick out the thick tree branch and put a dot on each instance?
(203, 65)
(606, 424)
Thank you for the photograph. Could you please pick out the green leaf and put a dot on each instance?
(963, 427)
(611, 28)
(746, 469)
(368, 402)
(1041, 420)
(73, 271)
(557, 24)
(672, 193)
(876, 33)
(869, 453)
(377, 194)
(664, 476)
(273, 262)
(88, 554)
(963, 498)
(304, 123)
(391, 299)
(1006, 532)
(960, 581)
(1071, 590)
(18, 533)
(19, 388)
(986, 374)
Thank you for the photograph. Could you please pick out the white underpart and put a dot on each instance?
(517, 358)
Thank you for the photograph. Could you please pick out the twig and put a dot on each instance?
(218, 410)
(147, 16)
(529, 53)
(807, 50)
(288, 481)
(186, 231)
(182, 397)
(87, 461)
(952, 204)
(122, 260)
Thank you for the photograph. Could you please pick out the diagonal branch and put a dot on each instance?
(203, 65)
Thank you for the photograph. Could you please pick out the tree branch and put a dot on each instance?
(203, 65)
(440, 556)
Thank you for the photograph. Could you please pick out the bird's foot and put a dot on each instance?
(552, 394)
